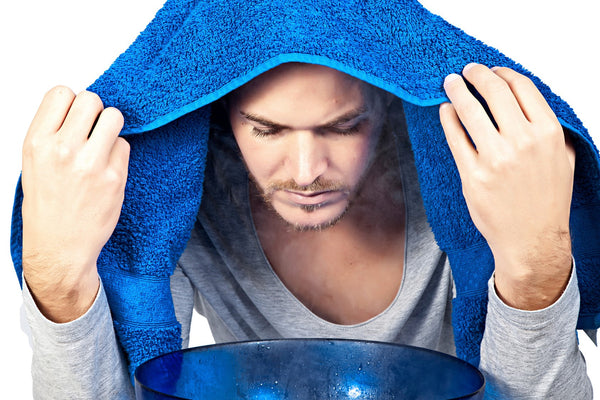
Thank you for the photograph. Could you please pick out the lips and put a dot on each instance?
(313, 198)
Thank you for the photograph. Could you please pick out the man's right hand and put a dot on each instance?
(73, 179)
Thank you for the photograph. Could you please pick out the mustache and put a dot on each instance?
(318, 185)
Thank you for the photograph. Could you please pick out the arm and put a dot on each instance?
(73, 179)
(63, 365)
(517, 179)
(534, 354)
(79, 359)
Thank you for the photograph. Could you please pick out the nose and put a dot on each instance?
(307, 157)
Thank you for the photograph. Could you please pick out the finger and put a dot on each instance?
(498, 95)
(105, 133)
(52, 111)
(459, 142)
(81, 117)
(470, 112)
(530, 99)
(119, 158)
(571, 154)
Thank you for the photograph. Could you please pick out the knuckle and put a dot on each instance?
(473, 69)
(471, 110)
(120, 154)
(114, 115)
(85, 168)
(479, 178)
(90, 99)
(548, 130)
(513, 77)
(497, 164)
(501, 162)
(112, 176)
(63, 151)
(124, 146)
(552, 128)
(503, 70)
(476, 118)
(28, 150)
(115, 177)
(496, 86)
(520, 80)
(60, 92)
(60, 96)
(526, 143)
(31, 145)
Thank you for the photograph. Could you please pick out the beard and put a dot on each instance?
(319, 185)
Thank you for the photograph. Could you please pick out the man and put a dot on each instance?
(334, 219)
(312, 221)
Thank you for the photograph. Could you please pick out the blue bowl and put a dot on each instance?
(307, 369)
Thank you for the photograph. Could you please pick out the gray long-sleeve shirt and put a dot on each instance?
(226, 276)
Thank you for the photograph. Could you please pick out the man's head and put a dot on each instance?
(307, 134)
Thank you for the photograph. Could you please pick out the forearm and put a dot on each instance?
(79, 359)
(534, 354)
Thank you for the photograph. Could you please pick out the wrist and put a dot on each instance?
(528, 288)
(532, 274)
(63, 298)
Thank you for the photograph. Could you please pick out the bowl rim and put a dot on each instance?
(308, 340)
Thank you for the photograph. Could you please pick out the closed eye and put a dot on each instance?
(338, 130)
(346, 130)
(347, 124)
(264, 132)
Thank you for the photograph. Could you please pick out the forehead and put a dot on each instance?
(299, 85)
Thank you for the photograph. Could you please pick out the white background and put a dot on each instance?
(71, 42)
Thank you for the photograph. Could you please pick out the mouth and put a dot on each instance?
(319, 198)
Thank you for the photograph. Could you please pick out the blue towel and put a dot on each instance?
(194, 52)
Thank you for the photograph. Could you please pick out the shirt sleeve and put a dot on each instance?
(534, 354)
(80, 359)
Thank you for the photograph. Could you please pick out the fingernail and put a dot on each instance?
(469, 66)
(450, 78)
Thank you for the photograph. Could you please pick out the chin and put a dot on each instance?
(304, 219)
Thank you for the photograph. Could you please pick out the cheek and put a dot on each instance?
(260, 159)
(358, 156)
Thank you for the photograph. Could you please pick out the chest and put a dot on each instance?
(340, 276)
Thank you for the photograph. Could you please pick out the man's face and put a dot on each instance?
(307, 134)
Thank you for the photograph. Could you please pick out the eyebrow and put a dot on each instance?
(344, 118)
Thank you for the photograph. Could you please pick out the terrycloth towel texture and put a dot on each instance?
(194, 52)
